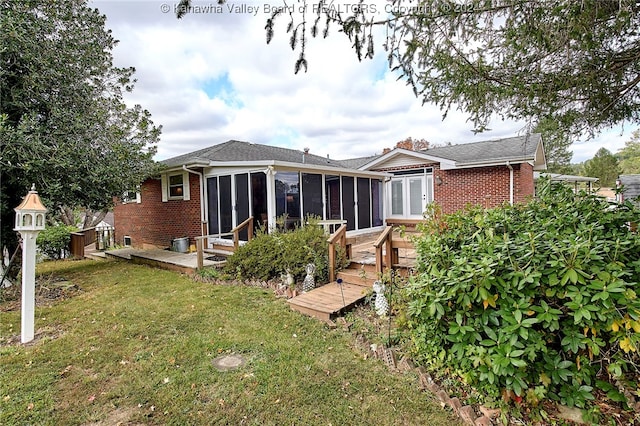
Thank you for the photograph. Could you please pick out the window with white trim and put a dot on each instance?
(175, 186)
(131, 196)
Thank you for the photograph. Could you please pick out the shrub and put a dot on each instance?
(537, 299)
(270, 255)
(54, 241)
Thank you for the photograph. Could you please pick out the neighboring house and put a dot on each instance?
(630, 187)
(210, 191)
(106, 222)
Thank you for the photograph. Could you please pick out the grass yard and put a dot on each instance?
(136, 345)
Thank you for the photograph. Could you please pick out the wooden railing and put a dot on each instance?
(337, 239)
(202, 242)
(81, 239)
(390, 257)
(384, 241)
(248, 224)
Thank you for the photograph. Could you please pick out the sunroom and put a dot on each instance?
(281, 194)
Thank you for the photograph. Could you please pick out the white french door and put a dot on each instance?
(410, 195)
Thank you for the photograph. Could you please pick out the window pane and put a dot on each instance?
(415, 196)
(226, 203)
(364, 203)
(259, 198)
(332, 190)
(429, 188)
(312, 194)
(376, 202)
(396, 197)
(288, 197)
(348, 202)
(175, 185)
(242, 201)
(212, 197)
(175, 191)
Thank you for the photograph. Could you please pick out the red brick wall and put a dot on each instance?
(484, 186)
(153, 222)
(525, 186)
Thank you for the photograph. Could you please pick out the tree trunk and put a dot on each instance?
(9, 267)
(68, 216)
(91, 219)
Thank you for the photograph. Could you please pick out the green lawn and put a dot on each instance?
(136, 346)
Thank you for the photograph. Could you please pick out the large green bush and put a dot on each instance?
(54, 241)
(537, 299)
(270, 255)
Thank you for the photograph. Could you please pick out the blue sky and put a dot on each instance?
(211, 77)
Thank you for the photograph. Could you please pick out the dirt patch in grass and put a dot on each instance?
(44, 333)
(49, 289)
(119, 416)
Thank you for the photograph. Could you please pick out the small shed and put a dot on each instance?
(576, 181)
(629, 186)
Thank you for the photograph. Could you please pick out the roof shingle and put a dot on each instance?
(245, 151)
(517, 147)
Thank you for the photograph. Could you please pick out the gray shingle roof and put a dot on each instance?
(513, 148)
(245, 151)
(354, 163)
(521, 148)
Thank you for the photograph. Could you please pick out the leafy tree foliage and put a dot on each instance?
(411, 145)
(629, 156)
(604, 166)
(54, 240)
(556, 146)
(538, 299)
(63, 123)
(575, 63)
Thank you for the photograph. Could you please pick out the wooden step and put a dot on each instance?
(369, 267)
(328, 301)
(218, 252)
(356, 277)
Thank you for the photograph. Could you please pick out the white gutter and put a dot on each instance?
(203, 204)
(510, 183)
(488, 163)
(285, 165)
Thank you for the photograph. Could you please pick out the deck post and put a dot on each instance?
(332, 262)
(384, 239)
(200, 250)
(388, 255)
(338, 237)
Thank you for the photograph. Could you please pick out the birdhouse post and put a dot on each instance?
(30, 219)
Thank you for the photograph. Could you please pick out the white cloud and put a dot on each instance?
(340, 107)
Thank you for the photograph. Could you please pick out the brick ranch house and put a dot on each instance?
(210, 191)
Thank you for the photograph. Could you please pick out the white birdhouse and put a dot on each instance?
(30, 214)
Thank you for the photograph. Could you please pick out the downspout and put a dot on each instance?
(202, 200)
(510, 183)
